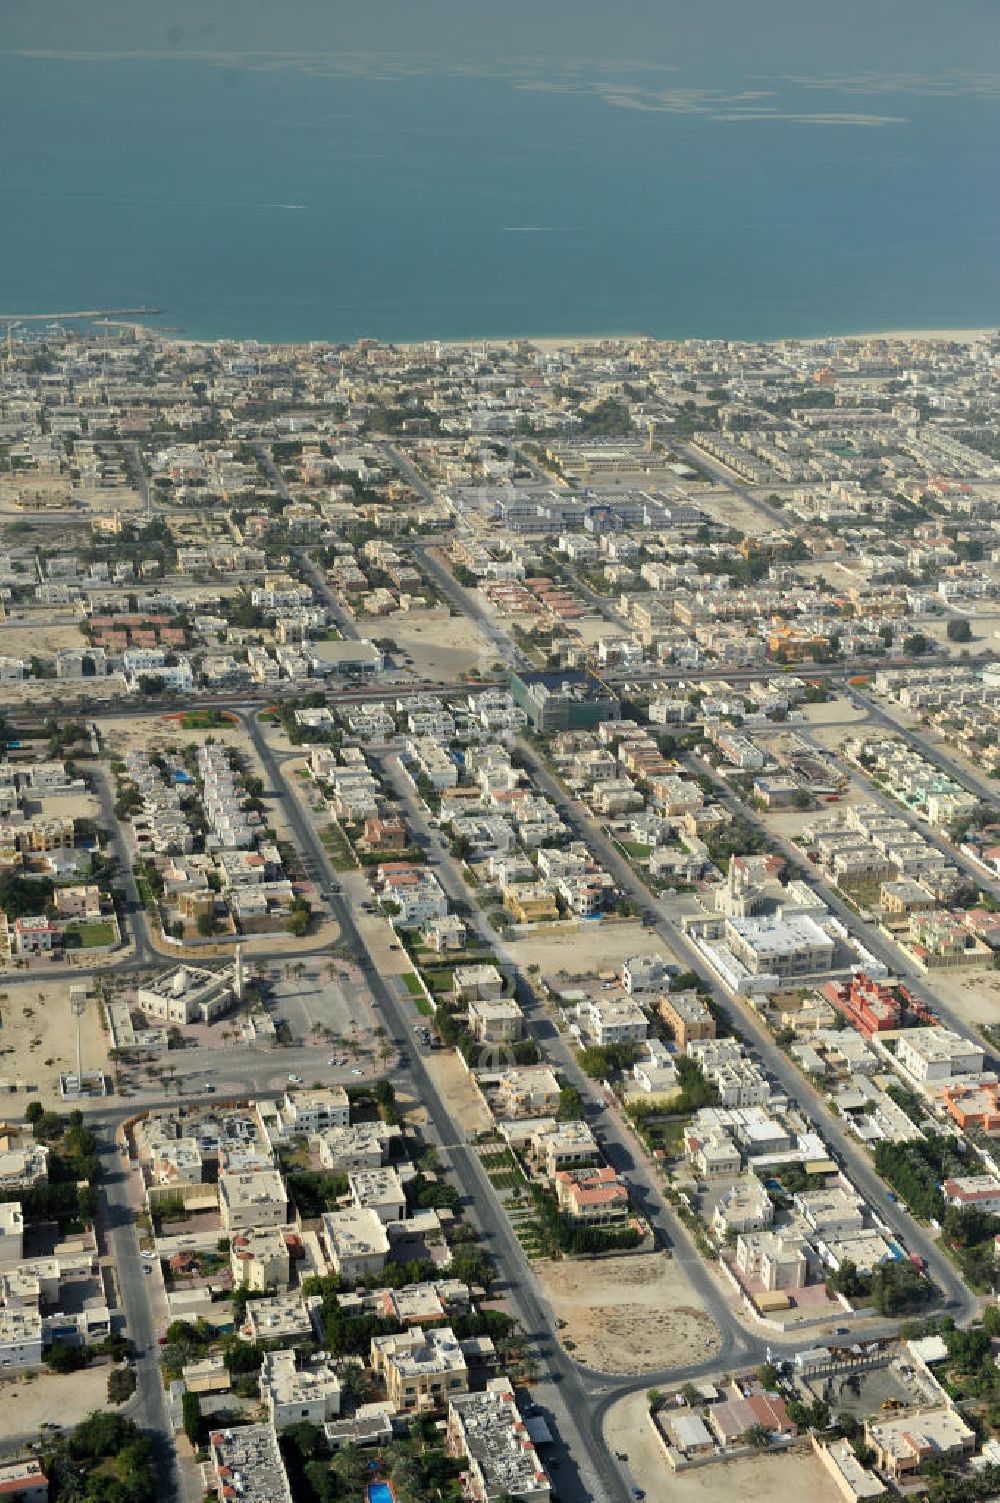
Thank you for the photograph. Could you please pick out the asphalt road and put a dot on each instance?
(149, 1407)
(619, 1145)
(343, 618)
(927, 833)
(777, 1064)
(987, 790)
(144, 954)
(466, 602)
(723, 476)
(586, 1471)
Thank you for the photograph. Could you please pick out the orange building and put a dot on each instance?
(973, 1106)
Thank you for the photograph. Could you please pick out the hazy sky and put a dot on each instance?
(417, 167)
(706, 40)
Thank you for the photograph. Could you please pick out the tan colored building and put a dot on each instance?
(530, 903)
(210, 1375)
(901, 1443)
(477, 983)
(496, 1022)
(905, 897)
(687, 1017)
(83, 901)
(260, 1259)
(193, 905)
(527, 1091)
(46, 835)
(356, 1242)
(595, 1197)
(421, 1369)
(564, 1145)
(256, 1199)
(776, 1261)
(24, 1480)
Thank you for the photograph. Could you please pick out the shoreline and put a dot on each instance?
(548, 343)
(564, 341)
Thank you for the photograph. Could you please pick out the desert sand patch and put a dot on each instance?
(442, 646)
(589, 946)
(757, 1479)
(628, 1314)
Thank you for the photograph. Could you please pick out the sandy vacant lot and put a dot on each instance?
(797, 1474)
(454, 1085)
(442, 646)
(36, 633)
(593, 629)
(586, 947)
(413, 1112)
(152, 733)
(983, 624)
(387, 953)
(628, 1314)
(973, 994)
(29, 1402)
(38, 1035)
(724, 506)
(841, 710)
(758, 1479)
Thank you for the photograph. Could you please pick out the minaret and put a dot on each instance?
(238, 978)
(78, 1006)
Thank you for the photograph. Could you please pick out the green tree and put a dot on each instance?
(897, 1288)
(350, 1466)
(121, 1384)
(298, 923)
(991, 1320)
(63, 1358)
(819, 1414)
(191, 1417)
(570, 1108)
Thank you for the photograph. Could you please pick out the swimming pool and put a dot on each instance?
(381, 1492)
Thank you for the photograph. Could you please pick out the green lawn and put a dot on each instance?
(420, 1002)
(91, 936)
(205, 720)
(506, 1179)
(439, 981)
(338, 849)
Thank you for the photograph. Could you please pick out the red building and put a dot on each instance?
(875, 1006)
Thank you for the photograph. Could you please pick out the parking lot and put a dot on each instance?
(321, 999)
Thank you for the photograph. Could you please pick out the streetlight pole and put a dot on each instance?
(77, 1006)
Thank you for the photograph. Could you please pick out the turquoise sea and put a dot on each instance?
(285, 202)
